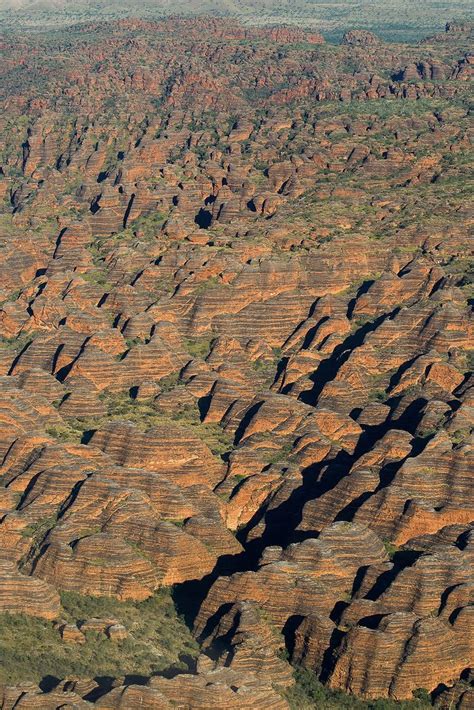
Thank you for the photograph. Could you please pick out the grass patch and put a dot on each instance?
(169, 382)
(309, 694)
(97, 277)
(199, 347)
(377, 396)
(207, 285)
(279, 455)
(38, 530)
(148, 226)
(390, 548)
(71, 433)
(144, 415)
(31, 648)
(16, 343)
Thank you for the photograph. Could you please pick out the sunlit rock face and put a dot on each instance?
(235, 365)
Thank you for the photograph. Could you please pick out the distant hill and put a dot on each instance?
(401, 20)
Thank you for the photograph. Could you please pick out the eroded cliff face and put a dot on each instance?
(235, 355)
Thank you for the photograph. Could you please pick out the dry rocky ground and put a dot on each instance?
(235, 355)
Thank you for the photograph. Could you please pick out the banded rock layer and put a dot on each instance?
(235, 360)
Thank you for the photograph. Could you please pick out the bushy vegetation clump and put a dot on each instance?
(32, 649)
(309, 694)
